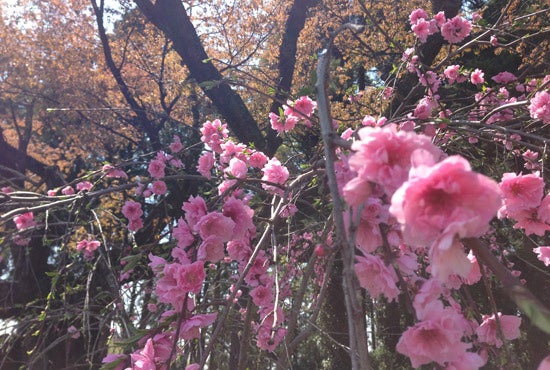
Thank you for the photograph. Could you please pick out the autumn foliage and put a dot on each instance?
(275, 184)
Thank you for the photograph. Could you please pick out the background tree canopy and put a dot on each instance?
(85, 83)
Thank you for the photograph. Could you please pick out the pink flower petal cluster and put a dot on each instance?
(176, 145)
(383, 155)
(456, 29)
(521, 192)
(179, 279)
(111, 171)
(476, 77)
(292, 114)
(195, 209)
(67, 190)
(214, 134)
(543, 254)
(24, 221)
(487, 332)
(88, 246)
(182, 233)
(504, 77)
(84, 186)
(539, 107)
(436, 339)
(156, 168)
(144, 359)
(446, 198)
(523, 202)
(452, 73)
(274, 172)
(375, 276)
(159, 187)
(216, 225)
(421, 25)
(190, 328)
(133, 212)
(205, 165)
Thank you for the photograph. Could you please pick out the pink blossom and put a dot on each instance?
(504, 77)
(368, 236)
(356, 191)
(466, 361)
(303, 105)
(178, 280)
(73, 332)
(113, 172)
(262, 296)
(543, 212)
(211, 250)
(436, 339)
(376, 277)
(476, 77)
(521, 192)
(423, 28)
(206, 162)
(135, 225)
(195, 209)
(269, 336)
(447, 258)
(427, 298)
(543, 254)
(132, 210)
(257, 160)
(487, 332)
(24, 221)
(213, 134)
(159, 187)
(84, 186)
(417, 15)
(144, 359)
(237, 168)
(440, 19)
(424, 108)
(452, 73)
(278, 125)
(116, 358)
(88, 246)
(67, 190)
(529, 221)
(230, 150)
(176, 145)
(156, 168)
(274, 172)
(241, 214)
(445, 200)
(456, 29)
(288, 210)
(475, 273)
(7, 190)
(182, 233)
(190, 328)
(430, 80)
(383, 155)
(239, 250)
(539, 107)
(193, 366)
(215, 224)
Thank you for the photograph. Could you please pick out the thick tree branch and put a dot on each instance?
(172, 19)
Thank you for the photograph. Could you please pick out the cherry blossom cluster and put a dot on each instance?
(453, 30)
(407, 199)
(292, 114)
